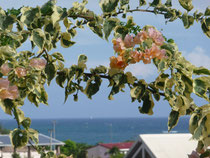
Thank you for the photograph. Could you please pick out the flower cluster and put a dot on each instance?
(11, 92)
(127, 54)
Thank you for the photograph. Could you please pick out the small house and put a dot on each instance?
(102, 150)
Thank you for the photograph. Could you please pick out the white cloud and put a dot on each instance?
(199, 57)
(138, 69)
(143, 70)
(93, 64)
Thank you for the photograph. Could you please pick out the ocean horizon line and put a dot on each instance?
(77, 118)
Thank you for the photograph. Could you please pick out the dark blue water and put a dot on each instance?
(92, 131)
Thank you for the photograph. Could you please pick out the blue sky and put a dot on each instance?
(192, 42)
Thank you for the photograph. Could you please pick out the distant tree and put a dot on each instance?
(62, 156)
(78, 150)
(69, 148)
(15, 155)
(82, 150)
(4, 130)
(115, 153)
(114, 150)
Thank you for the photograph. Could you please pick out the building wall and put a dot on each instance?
(34, 154)
(98, 152)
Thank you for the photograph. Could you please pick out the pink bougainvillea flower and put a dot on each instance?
(156, 52)
(4, 83)
(14, 93)
(140, 37)
(152, 32)
(129, 41)
(159, 40)
(147, 57)
(7, 91)
(136, 56)
(118, 62)
(20, 72)
(194, 154)
(118, 45)
(38, 63)
(156, 36)
(5, 69)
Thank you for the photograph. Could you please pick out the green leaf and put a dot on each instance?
(82, 59)
(61, 78)
(201, 71)
(200, 86)
(173, 119)
(168, 3)
(193, 123)
(44, 96)
(156, 96)
(19, 138)
(67, 23)
(109, 25)
(207, 12)
(155, 3)
(148, 104)
(33, 135)
(58, 56)
(99, 69)
(7, 106)
(38, 37)
(205, 25)
(50, 71)
(108, 6)
(29, 15)
(96, 28)
(124, 2)
(92, 87)
(198, 131)
(186, 4)
(185, 20)
(66, 40)
(6, 22)
(58, 14)
(142, 2)
(205, 154)
(26, 123)
(47, 8)
(19, 114)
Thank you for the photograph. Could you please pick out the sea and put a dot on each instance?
(102, 130)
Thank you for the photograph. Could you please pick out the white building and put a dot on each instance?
(102, 150)
(162, 146)
(6, 149)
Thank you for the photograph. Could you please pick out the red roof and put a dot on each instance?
(125, 145)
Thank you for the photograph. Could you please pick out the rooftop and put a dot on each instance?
(43, 141)
(124, 145)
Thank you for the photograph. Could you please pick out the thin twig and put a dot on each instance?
(43, 51)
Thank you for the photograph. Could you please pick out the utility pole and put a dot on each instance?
(111, 131)
(51, 131)
(54, 122)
